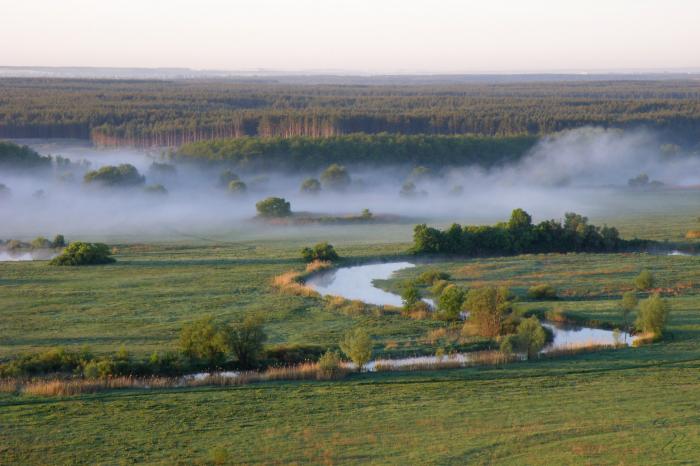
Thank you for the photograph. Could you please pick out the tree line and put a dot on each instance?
(519, 235)
(171, 113)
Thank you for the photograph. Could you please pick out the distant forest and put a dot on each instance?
(172, 113)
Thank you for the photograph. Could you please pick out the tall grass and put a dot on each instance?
(292, 282)
(474, 359)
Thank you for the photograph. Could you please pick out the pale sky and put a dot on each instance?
(374, 36)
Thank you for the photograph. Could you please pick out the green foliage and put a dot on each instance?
(429, 277)
(321, 251)
(335, 177)
(58, 241)
(487, 308)
(123, 176)
(410, 295)
(451, 302)
(81, 253)
(237, 187)
(311, 186)
(531, 337)
(329, 365)
(15, 157)
(542, 291)
(653, 315)
(205, 341)
(520, 236)
(357, 345)
(644, 281)
(246, 341)
(41, 243)
(366, 214)
(274, 207)
(628, 305)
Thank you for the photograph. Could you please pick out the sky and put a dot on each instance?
(361, 36)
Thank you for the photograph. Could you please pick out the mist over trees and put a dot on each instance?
(122, 176)
(16, 157)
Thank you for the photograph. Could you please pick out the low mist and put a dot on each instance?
(585, 170)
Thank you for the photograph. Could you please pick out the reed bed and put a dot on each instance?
(292, 282)
(474, 359)
(578, 348)
(77, 386)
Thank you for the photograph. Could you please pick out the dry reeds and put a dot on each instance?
(644, 339)
(692, 234)
(578, 348)
(292, 282)
(474, 359)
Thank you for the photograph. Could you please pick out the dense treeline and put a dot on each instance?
(16, 157)
(520, 235)
(170, 113)
(312, 153)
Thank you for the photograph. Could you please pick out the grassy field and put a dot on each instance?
(626, 406)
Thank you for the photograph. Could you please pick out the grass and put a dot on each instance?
(623, 406)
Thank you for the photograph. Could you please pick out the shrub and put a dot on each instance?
(644, 281)
(246, 341)
(41, 243)
(357, 345)
(81, 253)
(335, 177)
(329, 365)
(487, 308)
(438, 287)
(410, 296)
(429, 277)
(205, 341)
(320, 252)
(237, 187)
(124, 175)
(450, 302)
(653, 315)
(542, 291)
(311, 186)
(274, 207)
(628, 304)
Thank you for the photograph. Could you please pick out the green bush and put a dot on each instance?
(653, 315)
(205, 341)
(329, 365)
(450, 303)
(246, 341)
(357, 345)
(41, 243)
(410, 296)
(311, 186)
(237, 187)
(81, 253)
(542, 291)
(321, 251)
(274, 207)
(644, 281)
(429, 277)
(59, 241)
(124, 175)
(335, 177)
(226, 177)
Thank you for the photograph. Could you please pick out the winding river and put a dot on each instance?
(357, 282)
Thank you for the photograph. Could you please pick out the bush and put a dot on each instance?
(329, 365)
(629, 303)
(410, 296)
(487, 308)
(320, 252)
(237, 187)
(124, 175)
(311, 186)
(246, 341)
(531, 337)
(644, 281)
(653, 315)
(274, 207)
(80, 253)
(41, 243)
(451, 302)
(429, 277)
(357, 345)
(205, 341)
(543, 291)
(335, 177)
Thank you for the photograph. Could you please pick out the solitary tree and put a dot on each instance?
(357, 345)
(205, 341)
(531, 337)
(410, 296)
(246, 341)
(487, 307)
(335, 177)
(274, 207)
(450, 302)
(653, 315)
